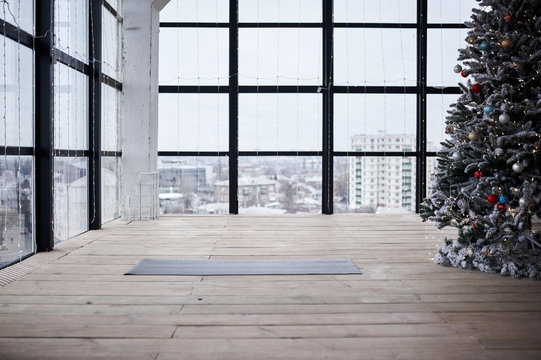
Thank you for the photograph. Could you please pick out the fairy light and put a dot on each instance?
(198, 145)
(297, 108)
(257, 84)
(365, 111)
(218, 97)
(384, 138)
(69, 90)
(404, 96)
(52, 126)
(277, 89)
(4, 118)
(19, 177)
(349, 139)
(178, 95)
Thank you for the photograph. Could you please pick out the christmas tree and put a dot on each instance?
(488, 177)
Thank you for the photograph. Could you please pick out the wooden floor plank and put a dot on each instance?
(403, 306)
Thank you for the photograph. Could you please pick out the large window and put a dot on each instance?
(17, 231)
(59, 132)
(318, 106)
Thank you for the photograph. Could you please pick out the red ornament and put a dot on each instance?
(479, 174)
(501, 207)
(476, 88)
(509, 17)
(493, 199)
(464, 73)
(474, 225)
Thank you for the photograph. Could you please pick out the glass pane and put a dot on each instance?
(375, 57)
(195, 11)
(382, 11)
(456, 11)
(19, 13)
(437, 107)
(71, 28)
(70, 197)
(442, 56)
(17, 112)
(111, 46)
(110, 188)
(279, 185)
(16, 208)
(280, 11)
(193, 122)
(374, 184)
(280, 56)
(374, 117)
(194, 185)
(194, 56)
(70, 109)
(288, 122)
(110, 118)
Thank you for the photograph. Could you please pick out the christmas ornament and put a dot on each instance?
(493, 199)
(504, 118)
(479, 174)
(501, 207)
(515, 190)
(473, 136)
(507, 44)
(489, 109)
(498, 151)
(477, 88)
(517, 167)
(522, 201)
(471, 39)
(457, 156)
(474, 225)
(457, 68)
(509, 17)
(449, 129)
(504, 199)
(485, 46)
(464, 73)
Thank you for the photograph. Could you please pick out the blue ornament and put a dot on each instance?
(485, 46)
(504, 199)
(489, 109)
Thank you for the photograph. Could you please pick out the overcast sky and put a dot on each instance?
(362, 57)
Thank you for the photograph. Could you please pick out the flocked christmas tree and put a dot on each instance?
(488, 177)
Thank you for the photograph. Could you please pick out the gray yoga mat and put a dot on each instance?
(244, 267)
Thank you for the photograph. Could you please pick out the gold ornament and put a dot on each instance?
(507, 44)
(471, 39)
(449, 129)
(473, 136)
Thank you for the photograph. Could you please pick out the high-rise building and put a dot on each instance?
(382, 182)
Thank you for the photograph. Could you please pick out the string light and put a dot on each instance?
(277, 90)
(297, 118)
(4, 118)
(198, 145)
(19, 176)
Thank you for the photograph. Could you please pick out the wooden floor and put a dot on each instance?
(403, 306)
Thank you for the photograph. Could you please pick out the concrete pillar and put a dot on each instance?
(140, 109)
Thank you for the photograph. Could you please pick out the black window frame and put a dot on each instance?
(327, 88)
(45, 58)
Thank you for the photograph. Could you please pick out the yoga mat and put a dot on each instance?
(244, 267)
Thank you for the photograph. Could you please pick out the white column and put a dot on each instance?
(140, 109)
